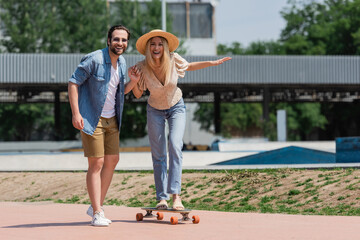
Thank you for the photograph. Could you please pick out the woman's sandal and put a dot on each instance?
(177, 205)
(162, 205)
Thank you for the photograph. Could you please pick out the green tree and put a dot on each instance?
(84, 25)
(68, 132)
(303, 119)
(265, 48)
(73, 26)
(233, 49)
(56, 26)
(343, 119)
(134, 121)
(237, 118)
(328, 28)
(255, 48)
(21, 24)
(130, 15)
(139, 18)
(24, 122)
(245, 119)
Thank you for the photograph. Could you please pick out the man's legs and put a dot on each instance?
(94, 182)
(94, 186)
(105, 139)
(111, 148)
(98, 179)
(107, 173)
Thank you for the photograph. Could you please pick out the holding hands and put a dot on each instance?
(134, 73)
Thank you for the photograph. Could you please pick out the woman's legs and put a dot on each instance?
(177, 121)
(176, 117)
(156, 132)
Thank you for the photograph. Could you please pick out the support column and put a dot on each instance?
(217, 116)
(57, 115)
(266, 101)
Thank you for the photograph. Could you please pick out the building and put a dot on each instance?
(193, 22)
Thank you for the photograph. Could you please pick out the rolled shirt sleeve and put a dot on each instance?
(181, 65)
(83, 71)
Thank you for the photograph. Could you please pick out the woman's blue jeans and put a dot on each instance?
(176, 116)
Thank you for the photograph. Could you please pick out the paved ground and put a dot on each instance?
(26, 221)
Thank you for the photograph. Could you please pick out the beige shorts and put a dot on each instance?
(104, 141)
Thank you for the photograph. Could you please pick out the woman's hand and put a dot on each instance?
(134, 74)
(204, 64)
(220, 61)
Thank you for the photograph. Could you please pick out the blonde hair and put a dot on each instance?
(165, 66)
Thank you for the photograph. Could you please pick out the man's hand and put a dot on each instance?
(78, 121)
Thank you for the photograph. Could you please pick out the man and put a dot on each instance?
(96, 95)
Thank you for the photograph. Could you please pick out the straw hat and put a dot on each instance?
(172, 40)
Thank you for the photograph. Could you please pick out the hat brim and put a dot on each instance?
(172, 40)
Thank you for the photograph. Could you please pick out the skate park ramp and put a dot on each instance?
(286, 155)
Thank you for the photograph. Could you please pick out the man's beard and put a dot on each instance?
(113, 50)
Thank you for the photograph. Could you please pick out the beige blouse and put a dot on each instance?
(167, 95)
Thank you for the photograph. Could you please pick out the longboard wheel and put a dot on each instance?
(173, 220)
(160, 216)
(196, 219)
(139, 217)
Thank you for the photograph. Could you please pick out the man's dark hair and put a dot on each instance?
(117, 27)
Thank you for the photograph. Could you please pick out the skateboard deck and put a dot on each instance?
(160, 216)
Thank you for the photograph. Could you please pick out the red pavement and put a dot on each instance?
(68, 221)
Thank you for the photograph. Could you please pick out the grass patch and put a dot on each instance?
(288, 191)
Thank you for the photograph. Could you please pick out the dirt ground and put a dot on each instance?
(331, 192)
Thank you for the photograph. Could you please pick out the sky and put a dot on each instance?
(247, 21)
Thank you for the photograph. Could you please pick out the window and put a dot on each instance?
(178, 13)
(201, 20)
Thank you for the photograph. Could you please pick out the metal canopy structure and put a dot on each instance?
(40, 78)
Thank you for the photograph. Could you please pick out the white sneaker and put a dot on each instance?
(99, 221)
(91, 210)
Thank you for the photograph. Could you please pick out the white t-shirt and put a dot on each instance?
(109, 106)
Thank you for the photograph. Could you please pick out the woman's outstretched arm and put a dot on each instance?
(200, 65)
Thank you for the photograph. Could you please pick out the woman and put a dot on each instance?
(159, 73)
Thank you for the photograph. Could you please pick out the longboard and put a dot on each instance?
(160, 216)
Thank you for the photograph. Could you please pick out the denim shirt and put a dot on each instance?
(93, 76)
